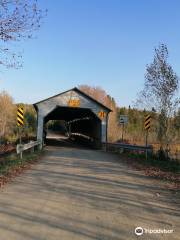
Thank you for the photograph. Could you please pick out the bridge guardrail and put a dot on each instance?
(121, 146)
(22, 147)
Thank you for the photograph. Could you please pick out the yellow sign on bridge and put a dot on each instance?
(74, 102)
(101, 114)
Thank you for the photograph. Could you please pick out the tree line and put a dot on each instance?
(8, 119)
(134, 131)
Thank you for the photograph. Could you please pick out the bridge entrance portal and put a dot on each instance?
(84, 117)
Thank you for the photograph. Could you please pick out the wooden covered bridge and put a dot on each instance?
(83, 115)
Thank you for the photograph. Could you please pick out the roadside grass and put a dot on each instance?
(167, 165)
(12, 165)
(164, 169)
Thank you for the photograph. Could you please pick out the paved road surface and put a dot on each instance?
(80, 194)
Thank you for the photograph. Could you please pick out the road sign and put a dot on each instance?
(123, 119)
(147, 122)
(20, 116)
(147, 125)
(101, 114)
(74, 102)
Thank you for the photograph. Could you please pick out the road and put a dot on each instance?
(81, 194)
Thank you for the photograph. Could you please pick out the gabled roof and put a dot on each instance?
(79, 91)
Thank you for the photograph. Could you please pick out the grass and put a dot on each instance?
(166, 165)
(13, 162)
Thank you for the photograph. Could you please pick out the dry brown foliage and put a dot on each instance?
(100, 95)
(7, 114)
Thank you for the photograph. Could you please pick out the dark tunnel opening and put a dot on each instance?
(74, 126)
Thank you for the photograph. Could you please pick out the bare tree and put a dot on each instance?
(18, 20)
(160, 90)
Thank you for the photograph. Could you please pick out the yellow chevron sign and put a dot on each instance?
(147, 122)
(20, 116)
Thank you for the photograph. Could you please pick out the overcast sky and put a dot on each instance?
(103, 43)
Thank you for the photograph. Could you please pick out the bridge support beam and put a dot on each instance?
(40, 128)
(103, 132)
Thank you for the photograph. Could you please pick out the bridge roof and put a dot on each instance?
(80, 92)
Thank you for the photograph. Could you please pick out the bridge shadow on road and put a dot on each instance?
(84, 194)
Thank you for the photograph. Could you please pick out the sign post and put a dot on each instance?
(20, 124)
(122, 131)
(147, 125)
(123, 120)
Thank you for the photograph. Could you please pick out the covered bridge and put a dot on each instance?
(83, 114)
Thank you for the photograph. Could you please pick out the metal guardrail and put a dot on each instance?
(121, 146)
(22, 147)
